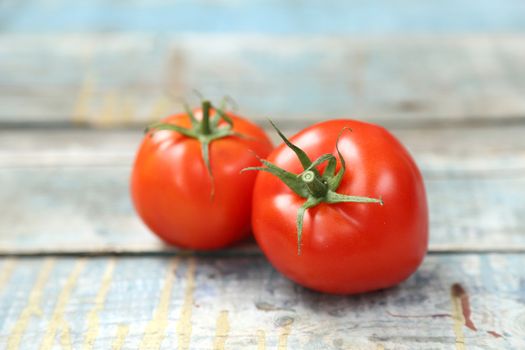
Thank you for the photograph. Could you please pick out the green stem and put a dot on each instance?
(205, 124)
(310, 184)
(315, 185)
(206, 131)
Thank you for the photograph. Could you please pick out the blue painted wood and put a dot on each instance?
(295, 61)
(67, 190)
(330, 17)
(114, 80)
(243, 303)
(88, 209)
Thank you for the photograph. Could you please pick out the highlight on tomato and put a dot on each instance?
(341, 208)
(186, 182)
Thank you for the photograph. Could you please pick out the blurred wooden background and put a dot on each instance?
(79, 81)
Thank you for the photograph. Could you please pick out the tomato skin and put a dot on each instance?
(346, 247)
(171, 187)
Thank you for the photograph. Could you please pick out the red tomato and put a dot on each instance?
(172, 189)
(345, 247)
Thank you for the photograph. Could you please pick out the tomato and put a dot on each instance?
(186, 183)
(347, 244)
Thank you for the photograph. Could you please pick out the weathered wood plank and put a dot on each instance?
(68, 190)
(121, 79)
(330, 17)
(462, 301)
(80, 209)
(440, 151)
(66, 147)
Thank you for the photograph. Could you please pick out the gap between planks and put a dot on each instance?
(223, 254)
(428, 122)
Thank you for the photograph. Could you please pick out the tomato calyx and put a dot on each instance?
(310, 184)
(206, 130)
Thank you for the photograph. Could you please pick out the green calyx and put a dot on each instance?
(310, 184)
(206, 130)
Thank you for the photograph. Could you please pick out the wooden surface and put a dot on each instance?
(80, 80)
(474, 176)
(209, 302)
(121, 79)
(271, 17)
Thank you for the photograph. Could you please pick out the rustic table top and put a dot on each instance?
(78, 82)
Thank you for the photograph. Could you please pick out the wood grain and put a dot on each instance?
(439, 151)
(80, 80)
(121, 79)
(88, 210)
(265, 17)
(33, 307)
(58, 181)
(225, 294)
